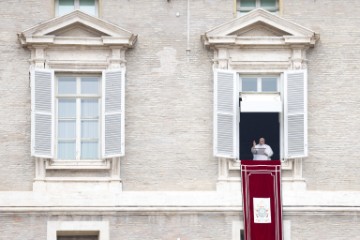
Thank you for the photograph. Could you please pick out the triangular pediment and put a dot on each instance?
(76, 27)
(261, 26)
(77, 30)
(260, 29)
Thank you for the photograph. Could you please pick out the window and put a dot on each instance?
(285, 111)
(259, 84)
(78, 237)
(244, 6)
(78, 115)
(66, 6)
(78, 230)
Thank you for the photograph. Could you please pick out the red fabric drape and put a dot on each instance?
(262, 180)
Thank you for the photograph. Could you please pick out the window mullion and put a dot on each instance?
(78, 119)
(258, 3)
(259, 88)
(77, 4)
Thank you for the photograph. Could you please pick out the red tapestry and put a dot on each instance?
(262, 207)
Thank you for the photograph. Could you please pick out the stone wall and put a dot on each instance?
(169, 92)
(184, 226)
(334, 99)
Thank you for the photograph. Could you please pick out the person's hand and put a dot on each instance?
(254, 143)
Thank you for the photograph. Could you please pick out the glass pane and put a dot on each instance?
(67, 108)
(249, 84)
(66, 150)
(88, 6)
(89, 150)
(89, 108)
(65, 6)
(247, 3)
(67, 85)
(268, 3)
(67, 129)
(89, 85)
(89, 129)
(269, 85)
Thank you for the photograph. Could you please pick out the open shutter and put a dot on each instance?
(225, 114)
(42, 113)
(113, 103)
(295, 113)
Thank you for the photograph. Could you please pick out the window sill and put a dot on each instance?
(83, 164)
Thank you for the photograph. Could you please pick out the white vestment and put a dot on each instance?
(262, 152)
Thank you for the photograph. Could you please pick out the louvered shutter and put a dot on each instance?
(113, 103)
(42, 113)
(295, 113)
(225, 114)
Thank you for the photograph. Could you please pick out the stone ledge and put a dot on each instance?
(312, 200)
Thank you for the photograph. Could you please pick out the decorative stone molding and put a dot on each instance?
(77, 28)
(259, 43)
(77, 43)
(262, 28)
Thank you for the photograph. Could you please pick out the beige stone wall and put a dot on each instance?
(207, 225)
(333, 92)
(169, 93)
(16, 167)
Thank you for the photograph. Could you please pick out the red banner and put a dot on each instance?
(262, 207)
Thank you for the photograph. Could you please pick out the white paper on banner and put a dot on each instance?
(262, 211)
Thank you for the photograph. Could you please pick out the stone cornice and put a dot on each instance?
(110, 34)
(154, 201)
(292, 33)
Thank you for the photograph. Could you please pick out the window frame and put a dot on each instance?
(112, 118)
(227, 116)
(279, 93)
(259, 83)
(77, 7)
(78, 96)
(243, 10)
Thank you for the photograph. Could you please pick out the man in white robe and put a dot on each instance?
(261, 151)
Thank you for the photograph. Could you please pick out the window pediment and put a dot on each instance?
(260, 27)
(77, 28)
(260, 30)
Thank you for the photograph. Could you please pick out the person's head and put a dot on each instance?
(262, 140)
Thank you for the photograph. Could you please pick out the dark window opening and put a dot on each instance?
(78, 238)
(256, 125)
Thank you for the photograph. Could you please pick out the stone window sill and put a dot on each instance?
(80, 164)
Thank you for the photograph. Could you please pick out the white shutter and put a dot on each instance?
(42, 113)
(225, 114)
(113, 93)
(295, 113)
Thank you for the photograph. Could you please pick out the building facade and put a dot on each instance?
(127, 119)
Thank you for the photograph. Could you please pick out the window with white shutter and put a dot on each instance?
(225, 114)
(77, 117)
(113, 113)
(292, 109)
(42, 113)
(295, 113)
